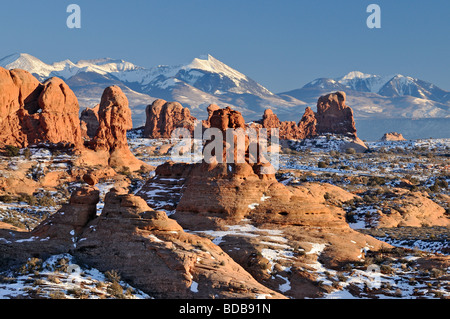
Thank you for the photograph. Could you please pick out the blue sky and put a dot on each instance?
(281, 44)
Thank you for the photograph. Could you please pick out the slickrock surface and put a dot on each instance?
(147, 248)
(413, 209)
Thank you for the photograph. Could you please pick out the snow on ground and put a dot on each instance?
(72, 282)
(245, 230)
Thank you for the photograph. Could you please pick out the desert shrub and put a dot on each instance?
(322, 164)
(350, 217)
(54, 279)
(112, 276)
(29, 199)
(47, 201)
(115, 289)
(32, 265)
(6, 199)
(39, 282)
(62, 265)
(350, 150)
(129, 292)
(11, 151)
(125, 170)
(377, 180)
(57, 295)
(443, 183)
(342, 277)
(15, 222)
(385, 269)
(436, 273)
(77, 293)
(27, 153)
(335, 153)
(434, 188)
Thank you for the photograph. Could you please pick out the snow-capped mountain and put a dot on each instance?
(206, 80)
(203, 81)
(64, 69)
(392, 96)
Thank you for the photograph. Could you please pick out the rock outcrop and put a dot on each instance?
(89, 116)
(110, 140)
(164, 117)
(33, 113)
(307, 124)
(149, 250)
(210, 109)
(413, 209)
(334, 116)
(214, 197)
(392, 136)
(289, 130)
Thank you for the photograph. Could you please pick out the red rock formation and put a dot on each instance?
(334, 116)
(90, 117)
(270, 120)
(34, 113)
(164, 117)
(111, 137)
(210, 109)
(307, 124)
(393, 136)
(211, 196)
(289, 130)
(148, 249)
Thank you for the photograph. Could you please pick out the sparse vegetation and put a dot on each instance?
(11, 151)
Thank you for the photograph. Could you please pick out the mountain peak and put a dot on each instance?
(356, 74)
(210, 64)
(16, 58)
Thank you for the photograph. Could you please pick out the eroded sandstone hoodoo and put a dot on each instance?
(33, 113)
(110, 140)
(334, 116)
(164, 117)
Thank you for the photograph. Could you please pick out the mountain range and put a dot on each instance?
(206, 80)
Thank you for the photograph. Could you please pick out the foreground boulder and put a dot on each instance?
(149, 250)
(153, 253)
